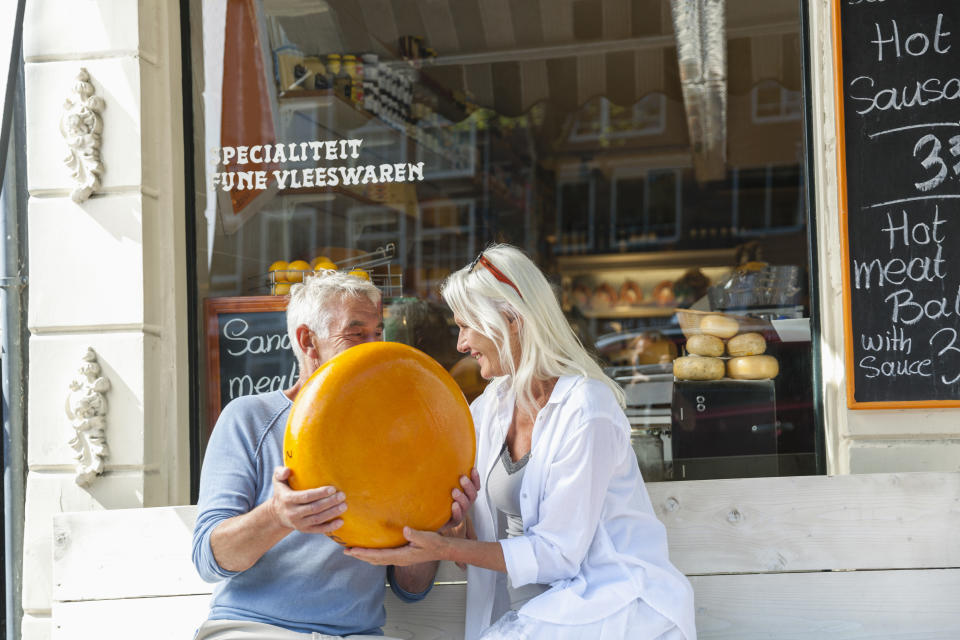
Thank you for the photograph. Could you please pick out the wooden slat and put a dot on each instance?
(808, 523)
(125, 553)
(439, 616)
(94, 553)
(839, 605)
(877, 521)
(163, 618)
(106, 562)
(862, 605)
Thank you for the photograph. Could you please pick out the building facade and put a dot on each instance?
(113, 273)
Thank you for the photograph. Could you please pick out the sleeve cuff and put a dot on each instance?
(520, 560)
(217, 572)
(402, 593)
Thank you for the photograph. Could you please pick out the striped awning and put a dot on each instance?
(512, 54)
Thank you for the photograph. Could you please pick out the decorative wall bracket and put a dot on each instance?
(86, 408)
(81, 126)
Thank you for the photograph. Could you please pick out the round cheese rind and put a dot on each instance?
(753, 368)
(336, 436)
(719, 326)
(698, 368)
(704, 345)
(746, 344)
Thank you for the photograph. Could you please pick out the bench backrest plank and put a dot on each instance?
(812, 523)
(829, 605)
(759, 552)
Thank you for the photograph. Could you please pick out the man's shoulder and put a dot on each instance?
(254, 412)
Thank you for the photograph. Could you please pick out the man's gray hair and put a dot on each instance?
(312, 303)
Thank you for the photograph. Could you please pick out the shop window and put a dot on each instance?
(771, 102)
(601, 119)
(768, 200)
(646, 209)
(402, 145)
(575, 231)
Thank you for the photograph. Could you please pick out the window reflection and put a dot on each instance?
(573, 130)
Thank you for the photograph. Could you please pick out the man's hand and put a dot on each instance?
(462, 500)
(309, 511)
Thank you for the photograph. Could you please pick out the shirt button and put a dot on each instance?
(523, 495)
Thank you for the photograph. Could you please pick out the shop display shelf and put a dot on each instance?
(645, 311)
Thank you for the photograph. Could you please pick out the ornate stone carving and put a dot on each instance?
(87, 409)
(81, 126)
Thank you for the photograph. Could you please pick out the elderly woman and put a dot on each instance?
(564, 543)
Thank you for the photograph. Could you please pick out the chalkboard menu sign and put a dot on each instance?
(899, 155)
(248, 350)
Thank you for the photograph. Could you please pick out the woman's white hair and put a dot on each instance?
(548, 346)
(313, 302)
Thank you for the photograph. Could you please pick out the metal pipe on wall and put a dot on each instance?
(13, 242)
(12, 326)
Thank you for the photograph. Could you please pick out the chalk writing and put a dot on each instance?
(235, 333)
(902, 182)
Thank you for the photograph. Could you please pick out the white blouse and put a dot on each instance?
(589, 526)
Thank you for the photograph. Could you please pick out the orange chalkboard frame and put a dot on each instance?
(845, 248)
(213, 308)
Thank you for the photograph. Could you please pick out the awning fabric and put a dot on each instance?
(510, 55)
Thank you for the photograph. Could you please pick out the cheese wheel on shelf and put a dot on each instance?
(698, 368)
(746, 344)
(704, 345)
(719, 326)
(753, 368)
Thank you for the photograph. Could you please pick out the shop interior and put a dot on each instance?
(647, 155)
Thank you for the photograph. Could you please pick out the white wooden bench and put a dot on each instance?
(863, 556)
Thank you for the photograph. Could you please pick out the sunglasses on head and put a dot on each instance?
(482, 260)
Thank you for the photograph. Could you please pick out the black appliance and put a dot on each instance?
(724, 429)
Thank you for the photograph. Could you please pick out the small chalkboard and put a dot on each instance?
(898, 104)
(248, 350)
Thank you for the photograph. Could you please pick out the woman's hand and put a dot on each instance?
(462, 500)
(423, 546)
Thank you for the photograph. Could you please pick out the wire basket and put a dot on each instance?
(689, 321)
(377, 265)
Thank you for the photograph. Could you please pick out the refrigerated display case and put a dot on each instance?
(738, 428)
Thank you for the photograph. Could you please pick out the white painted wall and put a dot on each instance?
(108, 273)
(858, 441)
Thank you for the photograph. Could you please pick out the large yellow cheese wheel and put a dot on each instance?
(698, 368)
(719, 326)
(387, 425)
(753, 367)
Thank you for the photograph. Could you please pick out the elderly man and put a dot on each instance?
(257, 537)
